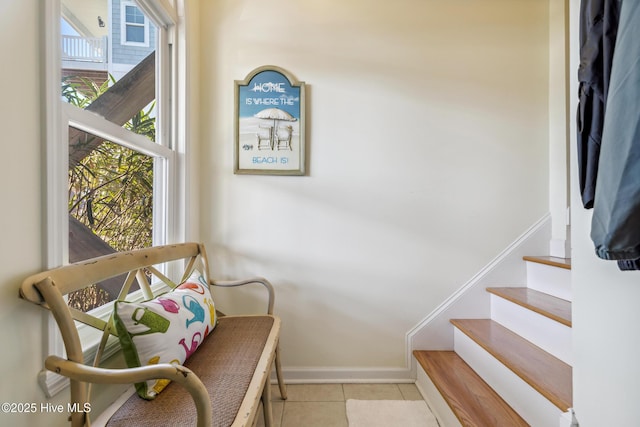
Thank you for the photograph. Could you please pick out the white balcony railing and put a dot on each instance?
(89, 49)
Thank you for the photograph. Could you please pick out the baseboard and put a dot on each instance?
(319, 375)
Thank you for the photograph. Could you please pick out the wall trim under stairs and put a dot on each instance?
(321, 375)
(435, 332)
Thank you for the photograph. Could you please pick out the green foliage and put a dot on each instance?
(88, 298)
(111, 189)
(84, 93)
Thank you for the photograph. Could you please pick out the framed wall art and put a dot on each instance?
(269, 123)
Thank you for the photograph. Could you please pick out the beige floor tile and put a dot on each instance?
(323, 405)
(314, 414)
(372, 392)
(277, 408)
(410, 392)
(313, 393)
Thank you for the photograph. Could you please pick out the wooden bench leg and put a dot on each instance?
(281, 384)
(266, 404)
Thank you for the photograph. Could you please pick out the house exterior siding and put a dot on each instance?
(127, 53)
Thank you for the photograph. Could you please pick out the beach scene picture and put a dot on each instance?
(270, 123)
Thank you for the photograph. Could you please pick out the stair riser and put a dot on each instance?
(434, 399)
(531, 405)
(549, 335)
(551, 280)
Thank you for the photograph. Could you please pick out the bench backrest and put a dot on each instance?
(49, 288)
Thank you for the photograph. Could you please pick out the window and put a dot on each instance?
(115, 149)
(135, 25)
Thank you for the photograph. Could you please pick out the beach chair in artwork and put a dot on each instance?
(265, 137)
(284, 138)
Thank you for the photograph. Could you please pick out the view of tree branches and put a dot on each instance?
(111, 189)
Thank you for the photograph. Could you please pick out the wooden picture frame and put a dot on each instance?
(269, 123)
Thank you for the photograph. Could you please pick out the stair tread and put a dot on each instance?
(550, 260)
(547, 374)
(547, 305)
(472, 400)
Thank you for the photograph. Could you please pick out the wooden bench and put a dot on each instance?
(221, 383)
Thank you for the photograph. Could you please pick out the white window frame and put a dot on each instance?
(170, 151)
(124, 24)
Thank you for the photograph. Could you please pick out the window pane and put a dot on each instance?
(135, 34)
(95, 81)
(110, 206)
(134, 15)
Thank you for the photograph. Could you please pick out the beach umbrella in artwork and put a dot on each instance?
(275, 114)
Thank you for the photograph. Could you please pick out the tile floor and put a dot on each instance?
(324, 405)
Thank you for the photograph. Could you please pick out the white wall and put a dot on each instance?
(606, 318)
(428, 154)
(21, 217)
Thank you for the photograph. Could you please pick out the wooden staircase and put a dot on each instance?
(513, 369)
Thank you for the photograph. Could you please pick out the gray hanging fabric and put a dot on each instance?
(615, 227)
(598, 29)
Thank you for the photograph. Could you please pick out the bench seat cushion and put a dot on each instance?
(225, 363)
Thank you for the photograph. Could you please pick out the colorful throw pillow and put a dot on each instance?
(166, 329)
